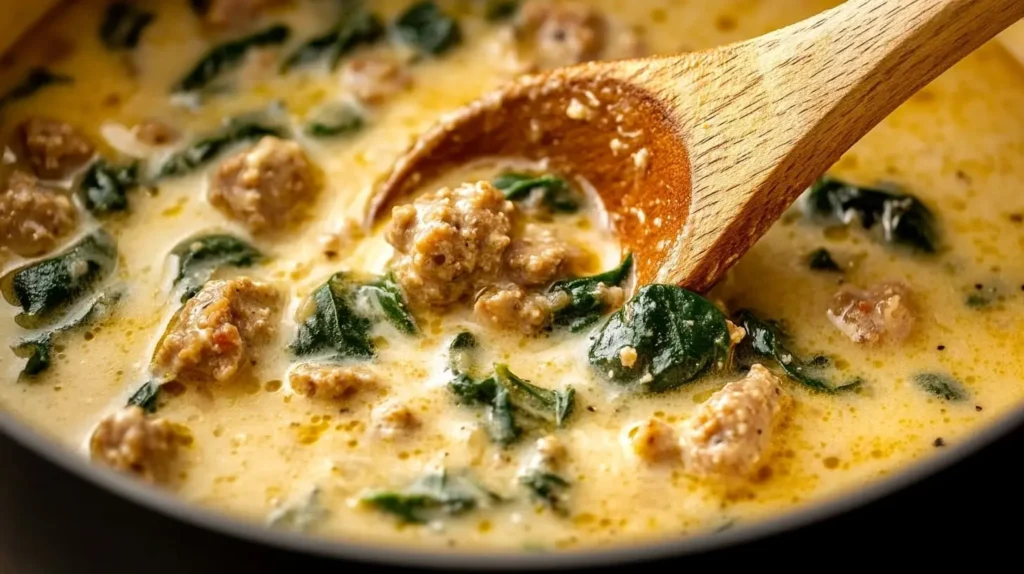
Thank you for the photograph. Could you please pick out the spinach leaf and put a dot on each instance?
(228, 56)
(200, 256)
(557, 195)
(37, 348)
(434, 495)
(37, 79)
(45, 288)
(498, 10)
(425, 27)
(547, 487)
(357, 26)
(678, 336)
(903, 218)
(553, 407)
(203, 151)
(513, 404)
(343, 310)
(941, 385)
(765, 342)
(336, 120)
(123, 24)
(386, 300)
(821, 260)
(585, 305)
(301, 515)
(105, 187)
(146, 397)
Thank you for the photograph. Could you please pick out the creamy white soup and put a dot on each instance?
(191, 294)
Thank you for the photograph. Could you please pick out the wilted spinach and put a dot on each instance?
(765, 342)
(48, 287)
(585, 305)
(147, 397)
(204, 150)
(513, 404)
(355, 27)
(37, 79)
(105, 187)
(228, 56)
(904, 220)
(434, 495)
(547, 487)
(335, 120)
(941, 385)
(556, 193)
(341, 312)
(37, 348)
(821, 260)
(199, 257)
(123, 24)
(426, 27)
(678, 336)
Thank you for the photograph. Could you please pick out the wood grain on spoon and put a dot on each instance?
(695, 156)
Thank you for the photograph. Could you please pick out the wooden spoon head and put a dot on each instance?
(588, 122)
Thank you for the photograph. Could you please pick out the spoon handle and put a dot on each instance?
(797, 99)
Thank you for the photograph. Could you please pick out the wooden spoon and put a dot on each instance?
(695, 156)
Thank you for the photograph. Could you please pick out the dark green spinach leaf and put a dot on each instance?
(547, 487)
(461, 353)
(105, 187)
(498, 10)
(341, 313)
(356, 26)
(765, 342)
(941, 385)
(425, 27)
(585, 304)
(552, 407)
(904, 220)
(37, 79)
(336, 120)
(37, 348)
(206, 149)
(48, 287)
(228, 56)
(556, 193)
(678, 336)
(147, 397)
(199, 257)
(123, 24)
(434, 495)
(821, 260)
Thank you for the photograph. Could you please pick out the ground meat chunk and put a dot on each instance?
(129, 441)
(730, 431)
(33, 218)
(216, 333)
(266, 188)
(878, 315)
(654, 441)
(511, 308)
(393, 420)
(538, 257)
(375, 79)
(54, 149)
(236, 13)
(331, 382)
(561, 34)
(450, 242)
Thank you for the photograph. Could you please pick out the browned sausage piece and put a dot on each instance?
(53, 148)
(131, 442)
(34, 218)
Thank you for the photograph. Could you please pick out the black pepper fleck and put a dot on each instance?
(591, 409)
(1017, 217)
(941, 347)
(977, 408)
(939, 442)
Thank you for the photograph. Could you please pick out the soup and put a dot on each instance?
(192, 296)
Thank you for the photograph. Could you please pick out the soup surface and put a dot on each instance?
(182, 185)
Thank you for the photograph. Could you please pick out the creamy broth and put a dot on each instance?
(258, 449)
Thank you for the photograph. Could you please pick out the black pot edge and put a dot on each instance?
(169, 506)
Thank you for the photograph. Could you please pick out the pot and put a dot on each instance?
(62, 514)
